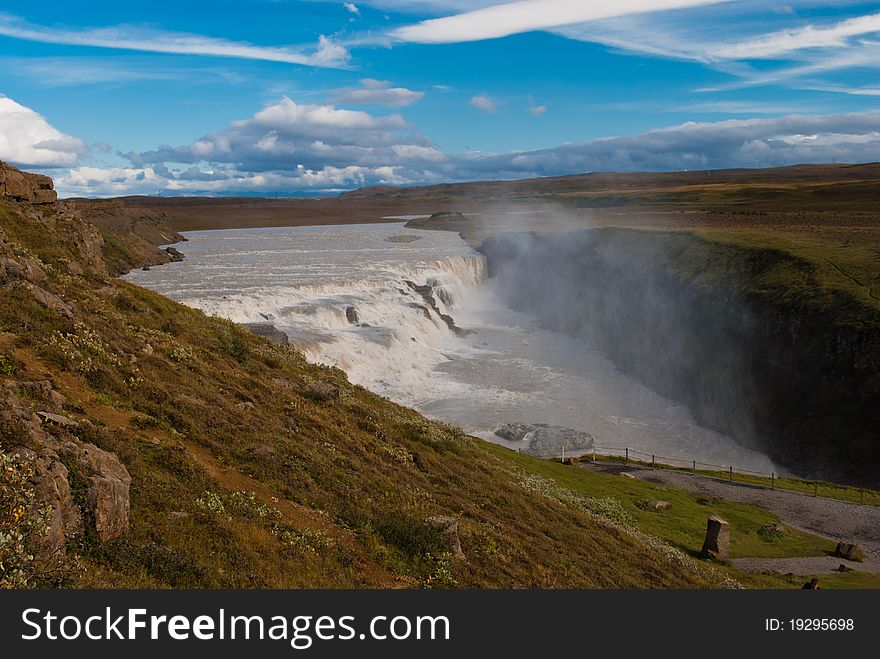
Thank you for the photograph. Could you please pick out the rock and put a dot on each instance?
(24, 186)
(107, 496)
(573, 461)
(844, 568)
(57, 420)
(655, 505)
(49, 300)
(51, 486)
(12, 269)
(245, 406)
(351, 315)
(178, 514)
(175, 254)
(321, 391)
(268, 331)
(449, 527)
(717, 543)
(545, 440)
(426, 291)
(626, 474)
(849, 552)
(40, 390)
(513, 432)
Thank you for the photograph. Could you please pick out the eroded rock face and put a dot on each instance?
(24, 186)
(52, 447)
(107, 497)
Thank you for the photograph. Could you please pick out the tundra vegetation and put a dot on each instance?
(145, 444)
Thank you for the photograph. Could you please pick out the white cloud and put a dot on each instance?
(502, 20)
(351, 8)
(485, 103)
(851, 137)
(376, 92)
(305, 143)
(327, 53)
(28, 140)
(535, 109)
(784, 42)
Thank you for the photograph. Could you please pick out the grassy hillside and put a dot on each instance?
(251, 468)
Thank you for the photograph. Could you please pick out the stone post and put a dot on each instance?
(717, 543)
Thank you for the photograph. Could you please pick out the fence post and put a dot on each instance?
(563, 452)
(695, 466)
(626, 457)
(652, 461)
(772, 480)
(816, 489)
(730, 471)
(594, 454)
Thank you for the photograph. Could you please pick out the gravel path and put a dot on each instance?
(837, 520)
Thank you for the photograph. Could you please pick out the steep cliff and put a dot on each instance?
(747, 338)
(24, 186)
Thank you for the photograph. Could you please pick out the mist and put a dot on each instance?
(680, 314)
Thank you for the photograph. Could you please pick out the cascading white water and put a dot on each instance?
(504, 368)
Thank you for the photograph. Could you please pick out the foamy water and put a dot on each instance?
(507, 369)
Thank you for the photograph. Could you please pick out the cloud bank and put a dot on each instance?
(294, 148)
(28, 140)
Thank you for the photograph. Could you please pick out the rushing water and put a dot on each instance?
(504, 369)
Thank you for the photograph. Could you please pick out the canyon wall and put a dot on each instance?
(731, 332)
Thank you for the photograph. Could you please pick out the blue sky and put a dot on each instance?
(312, 97)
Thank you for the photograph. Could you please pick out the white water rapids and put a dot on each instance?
(505, 369)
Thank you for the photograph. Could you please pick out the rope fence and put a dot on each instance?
(729, 473)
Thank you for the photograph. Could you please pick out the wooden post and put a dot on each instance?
(695, 466)
(594, 454)
(816, 489)
(730, 471)
(653, 465)
(563, 453)
(772, 480)
(626, 457)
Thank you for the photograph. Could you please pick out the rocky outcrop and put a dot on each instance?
(60, 459)
(268, 331)
(545, 440)
(24, 186)
(426, 291)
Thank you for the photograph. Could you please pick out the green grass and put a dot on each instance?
(844, 260)
(803, 486)
(842, 580)
(683, 525)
